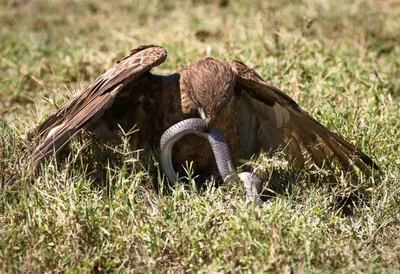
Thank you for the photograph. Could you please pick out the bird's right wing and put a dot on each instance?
(90, 103)
(272, 120)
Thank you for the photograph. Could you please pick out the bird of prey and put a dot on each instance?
(252, 115)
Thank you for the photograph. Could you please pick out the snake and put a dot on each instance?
(252, 184)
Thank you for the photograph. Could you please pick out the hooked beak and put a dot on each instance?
(207, 118)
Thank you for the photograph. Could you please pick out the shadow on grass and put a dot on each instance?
(347, 190)
(104, 161)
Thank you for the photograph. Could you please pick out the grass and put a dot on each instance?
(339, 59)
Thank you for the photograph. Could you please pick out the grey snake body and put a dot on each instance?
(220, 149)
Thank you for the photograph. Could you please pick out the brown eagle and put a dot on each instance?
(252, 115)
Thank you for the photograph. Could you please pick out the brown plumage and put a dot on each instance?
(252, 115)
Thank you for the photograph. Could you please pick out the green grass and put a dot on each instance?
(339, 59)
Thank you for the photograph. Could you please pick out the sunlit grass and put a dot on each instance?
(101, 208)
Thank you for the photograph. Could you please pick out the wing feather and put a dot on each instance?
(284, 125)
(89, 104)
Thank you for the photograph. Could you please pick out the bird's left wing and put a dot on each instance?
(90, 103)
(269, 120)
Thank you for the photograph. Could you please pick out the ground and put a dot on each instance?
(340, 60)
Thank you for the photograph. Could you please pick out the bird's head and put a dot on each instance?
(211, 85)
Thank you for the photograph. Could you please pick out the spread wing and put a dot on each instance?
(89, 104)
(269, 120)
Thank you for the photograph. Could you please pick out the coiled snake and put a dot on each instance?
(252, 184)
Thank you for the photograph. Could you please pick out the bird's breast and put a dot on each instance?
(177, 105)
(226, 122)
(192, 148)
